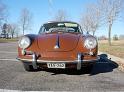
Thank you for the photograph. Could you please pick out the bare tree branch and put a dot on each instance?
(13, 30)
(91, 20)
(25, 20)
(103, 12)
(3, 13)
(61, 15)
(111, 10)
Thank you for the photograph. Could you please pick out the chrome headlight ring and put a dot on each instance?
(90, 42)
(24, 42)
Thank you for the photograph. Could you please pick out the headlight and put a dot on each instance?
(24, 42)
(90, 43)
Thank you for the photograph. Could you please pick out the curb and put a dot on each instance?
(117, 60)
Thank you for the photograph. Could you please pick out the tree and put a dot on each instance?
(50, 2)
(61, 15)
(103, 37)
(25, 20)
(111, 10)
(13, 29)
(121, 36)
(4, 28)
(17, 31)
(3, 19)
(3, 13)
(85, 23)
(90, 21)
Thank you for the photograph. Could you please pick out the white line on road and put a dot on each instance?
(7, 90)
(9, 59)
(7, 52)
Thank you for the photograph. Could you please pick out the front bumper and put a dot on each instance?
(78, 63)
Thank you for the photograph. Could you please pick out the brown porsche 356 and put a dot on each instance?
(58, 45)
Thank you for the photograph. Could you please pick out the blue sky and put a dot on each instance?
(41, 10)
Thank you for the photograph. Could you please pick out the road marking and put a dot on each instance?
(7, 52)
(7, 90)
(8, 59)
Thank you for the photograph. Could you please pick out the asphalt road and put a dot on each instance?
(104, 76)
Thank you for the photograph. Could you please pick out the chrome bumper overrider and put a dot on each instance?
(34, 61)
(79, 61)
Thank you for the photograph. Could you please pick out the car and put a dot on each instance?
(58, 45)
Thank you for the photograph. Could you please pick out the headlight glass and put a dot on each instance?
(90, 42)
(24, 42)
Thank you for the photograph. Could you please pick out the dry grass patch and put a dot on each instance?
(3, 40)
(116, 49)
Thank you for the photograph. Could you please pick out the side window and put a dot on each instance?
(42, 30)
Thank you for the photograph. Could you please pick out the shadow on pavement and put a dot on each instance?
(104, 65)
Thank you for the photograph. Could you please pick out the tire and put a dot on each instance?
(90, 67)
(28, 67)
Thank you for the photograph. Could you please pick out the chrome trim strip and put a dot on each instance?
(57, 46)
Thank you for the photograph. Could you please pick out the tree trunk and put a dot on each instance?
(23, 30)
(17, 35)
(109, 34)
(12, 35)
(93, 33)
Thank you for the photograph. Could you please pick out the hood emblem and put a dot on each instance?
(57, 46)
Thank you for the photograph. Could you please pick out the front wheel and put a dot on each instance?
(28, 67)
(87, 68)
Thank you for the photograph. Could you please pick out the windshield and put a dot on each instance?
(57, 27)
(62, 29)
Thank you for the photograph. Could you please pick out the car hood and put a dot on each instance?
(64, 41)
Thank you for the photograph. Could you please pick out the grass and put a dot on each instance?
(116, 49)
(3, 40)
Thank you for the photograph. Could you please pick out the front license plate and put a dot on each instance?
(56, 65)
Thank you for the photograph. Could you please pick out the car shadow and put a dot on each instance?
(103, 65)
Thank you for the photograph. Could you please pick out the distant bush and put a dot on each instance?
(121, 36)
(102, 37)
(115, 37)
